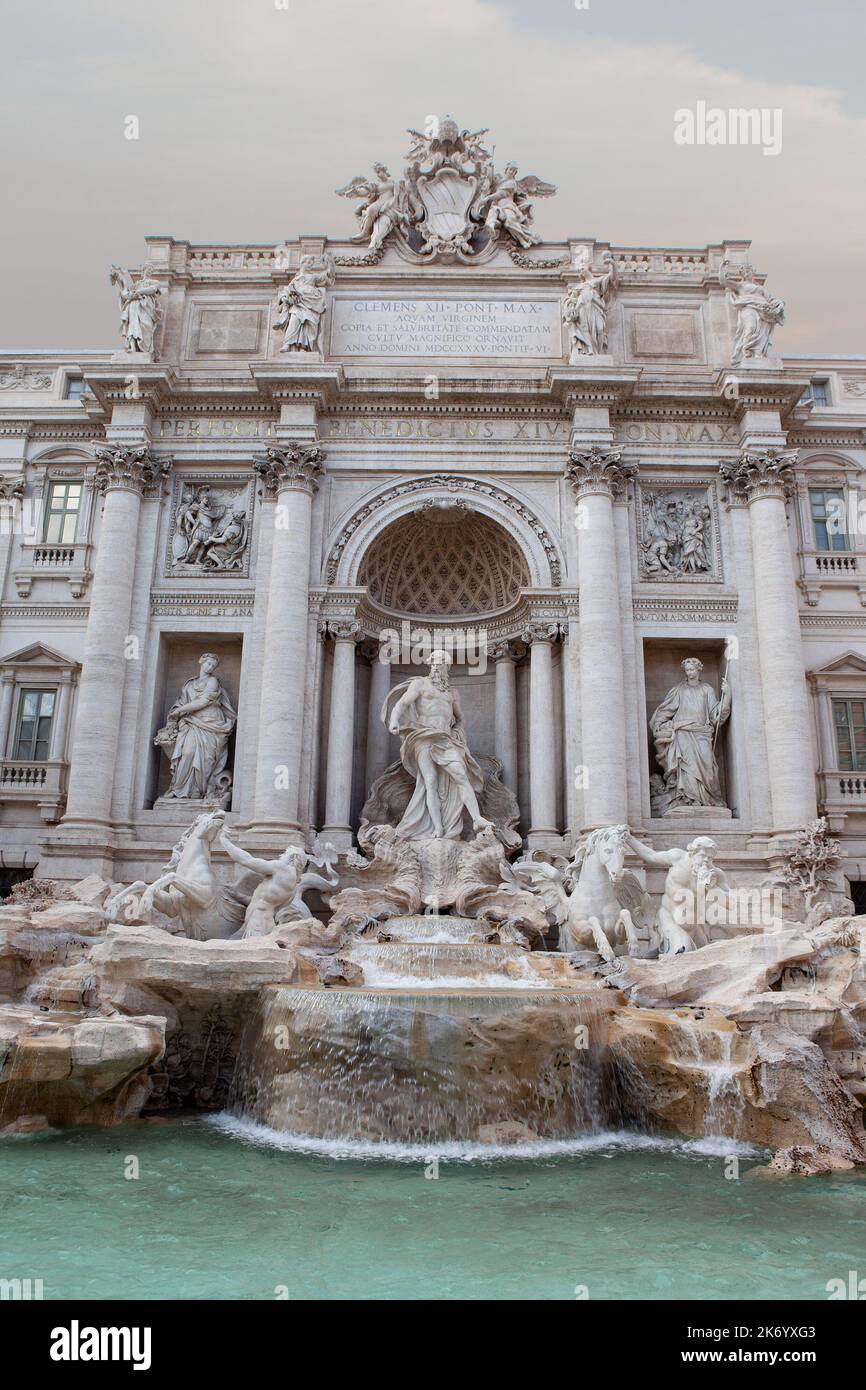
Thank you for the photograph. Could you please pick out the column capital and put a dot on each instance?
(292, 466)
(128, 467)
(596, 470)
(12, 489)
(540, 632)
(503, 651)
(343, 629)
(760, 473)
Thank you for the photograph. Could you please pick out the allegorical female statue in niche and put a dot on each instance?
(196, 736)
(684, 727)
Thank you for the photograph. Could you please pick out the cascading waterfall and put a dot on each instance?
(711, 1051)
(472, 1035)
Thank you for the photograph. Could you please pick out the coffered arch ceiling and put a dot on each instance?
(444, 560)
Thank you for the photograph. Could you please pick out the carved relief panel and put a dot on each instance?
(678, 530)
(210, 525)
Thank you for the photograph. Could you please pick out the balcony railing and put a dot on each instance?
(837, 562)
(47, 561)
(42, 782)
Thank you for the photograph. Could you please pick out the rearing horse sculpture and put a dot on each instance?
(598, 911)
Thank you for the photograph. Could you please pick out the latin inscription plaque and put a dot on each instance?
(392, 327)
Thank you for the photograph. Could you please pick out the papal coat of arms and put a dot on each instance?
(450, 203)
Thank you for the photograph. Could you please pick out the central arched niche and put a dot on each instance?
(444, 561)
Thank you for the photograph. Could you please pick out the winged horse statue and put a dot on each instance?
(593, 899)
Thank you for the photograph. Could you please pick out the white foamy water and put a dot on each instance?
(377, 977)
(466, 1151)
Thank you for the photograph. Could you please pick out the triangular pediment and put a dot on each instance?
(38, 654)
(848, 664)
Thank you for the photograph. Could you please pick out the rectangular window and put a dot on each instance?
(816, 393)
(849, 722)
(62, 512)
(33, 728)
(828, 518)
(75, 388)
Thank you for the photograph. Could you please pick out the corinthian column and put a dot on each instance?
(765, 477)
(122, 474)
(341, 735)
(598, 477)
(505, 718)
(543, 830)
(289, 473)
(378, 738)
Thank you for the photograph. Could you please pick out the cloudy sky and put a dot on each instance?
(252, 112)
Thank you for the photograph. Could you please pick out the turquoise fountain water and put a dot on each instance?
(221, 1210)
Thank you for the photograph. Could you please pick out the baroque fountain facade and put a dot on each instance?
(432, 687)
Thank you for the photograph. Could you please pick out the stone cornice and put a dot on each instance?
(760, 473)
(670, 608)
(291, 467)
(122, 381)
(299, 381)
(216, 604)
(599, 471)
(751, 388)
(547, 608)
(49, 611)
(812, 438)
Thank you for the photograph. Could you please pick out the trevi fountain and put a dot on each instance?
(463, 806)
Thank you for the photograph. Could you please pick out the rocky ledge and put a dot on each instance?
(759, 1038)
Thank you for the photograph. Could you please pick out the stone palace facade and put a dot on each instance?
(572, 465)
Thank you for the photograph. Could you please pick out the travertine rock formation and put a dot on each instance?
(434, 1029)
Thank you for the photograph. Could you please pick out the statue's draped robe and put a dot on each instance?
(590, 317)
(201, 748)
(757, 316)
(447, 750)
(139, 316)
(304, 310)
(686, 753)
